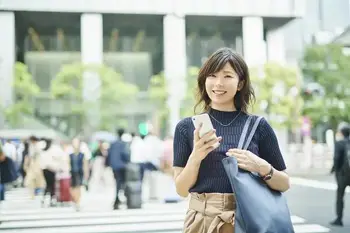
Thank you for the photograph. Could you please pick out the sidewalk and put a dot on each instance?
(319, 177)
(312, 174)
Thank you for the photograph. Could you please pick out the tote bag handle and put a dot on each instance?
(251, 133)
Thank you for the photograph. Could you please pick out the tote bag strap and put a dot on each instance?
(252, 132)
(245, 132)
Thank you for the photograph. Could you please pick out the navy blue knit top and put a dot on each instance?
(212, 177)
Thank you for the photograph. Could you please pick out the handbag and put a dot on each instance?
(259, 209)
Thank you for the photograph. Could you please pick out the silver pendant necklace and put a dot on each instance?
(225, 125)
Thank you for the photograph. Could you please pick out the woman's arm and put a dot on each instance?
(279, 180)
(186, 177)
(270, 156)
(250, 162)
(187, 160)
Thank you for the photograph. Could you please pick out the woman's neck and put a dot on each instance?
(224, 108)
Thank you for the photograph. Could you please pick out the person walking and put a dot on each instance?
(35, 177)
(78, 164)
(341, 168)
(51, 161)
(117, 158)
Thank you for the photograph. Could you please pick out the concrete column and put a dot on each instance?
(7, 56)
(92, 53)
(7, 60)
(239, 44)
(276, 51)
(253, 41)
(175, 64)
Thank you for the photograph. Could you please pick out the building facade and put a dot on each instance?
(324, 20)
(139, 37)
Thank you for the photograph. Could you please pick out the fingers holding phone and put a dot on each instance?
(205, 139)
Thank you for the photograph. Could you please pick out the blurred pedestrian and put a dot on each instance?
(32, 165)
(153, 152)
(8, 172)
(98, 171)
(117, 158)
(78, 164)
(51, 161)
(137, 153)
(341, 168)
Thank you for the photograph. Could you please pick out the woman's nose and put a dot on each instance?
(219, 81)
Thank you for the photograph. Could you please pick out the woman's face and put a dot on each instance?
(222, 87)
(76, 144)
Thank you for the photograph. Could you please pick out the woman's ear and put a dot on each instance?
(240, 85)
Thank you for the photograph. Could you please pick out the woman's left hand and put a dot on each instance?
(247, 160)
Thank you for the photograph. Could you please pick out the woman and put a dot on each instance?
(98, 174)
(32, 166)
(225, 91)
(79, 170)
(51, 161)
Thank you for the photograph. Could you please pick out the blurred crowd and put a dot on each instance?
(61, 169)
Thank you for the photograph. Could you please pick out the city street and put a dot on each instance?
(315, 201)
(311, 207)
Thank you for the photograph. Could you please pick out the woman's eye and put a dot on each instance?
(211, 76)
(228, 76)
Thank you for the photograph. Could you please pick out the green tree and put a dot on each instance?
(25, 89)
(277, 94)
(189, 101)
(114, 91)
(158, 92)
(327, 66)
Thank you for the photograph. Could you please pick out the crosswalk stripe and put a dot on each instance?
(310, 228)
(68, 211)
(174, 226)
(87, 215)
(315, 184)
(94, 221)
(152, 218)
(108, 219)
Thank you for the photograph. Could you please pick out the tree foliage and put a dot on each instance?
(113, 91)
(189, 101)
(327, 66)
(25, 89)
(159, 93)
(277, 94)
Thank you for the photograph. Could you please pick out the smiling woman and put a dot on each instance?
(223, 78)
(224, 93)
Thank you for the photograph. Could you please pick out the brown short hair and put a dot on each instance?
(215, 63)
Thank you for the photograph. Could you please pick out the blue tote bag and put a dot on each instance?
(259, 209)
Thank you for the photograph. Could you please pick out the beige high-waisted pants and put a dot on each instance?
(210, 213)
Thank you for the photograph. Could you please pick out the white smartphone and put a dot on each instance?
(207, 125)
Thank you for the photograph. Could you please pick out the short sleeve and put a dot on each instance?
(268, 146)
(182, 148)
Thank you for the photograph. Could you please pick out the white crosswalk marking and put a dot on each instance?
(26, 216)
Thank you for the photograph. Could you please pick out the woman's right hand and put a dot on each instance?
(204, 145)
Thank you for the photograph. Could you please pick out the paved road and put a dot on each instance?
(316, 203)
(21, 215)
